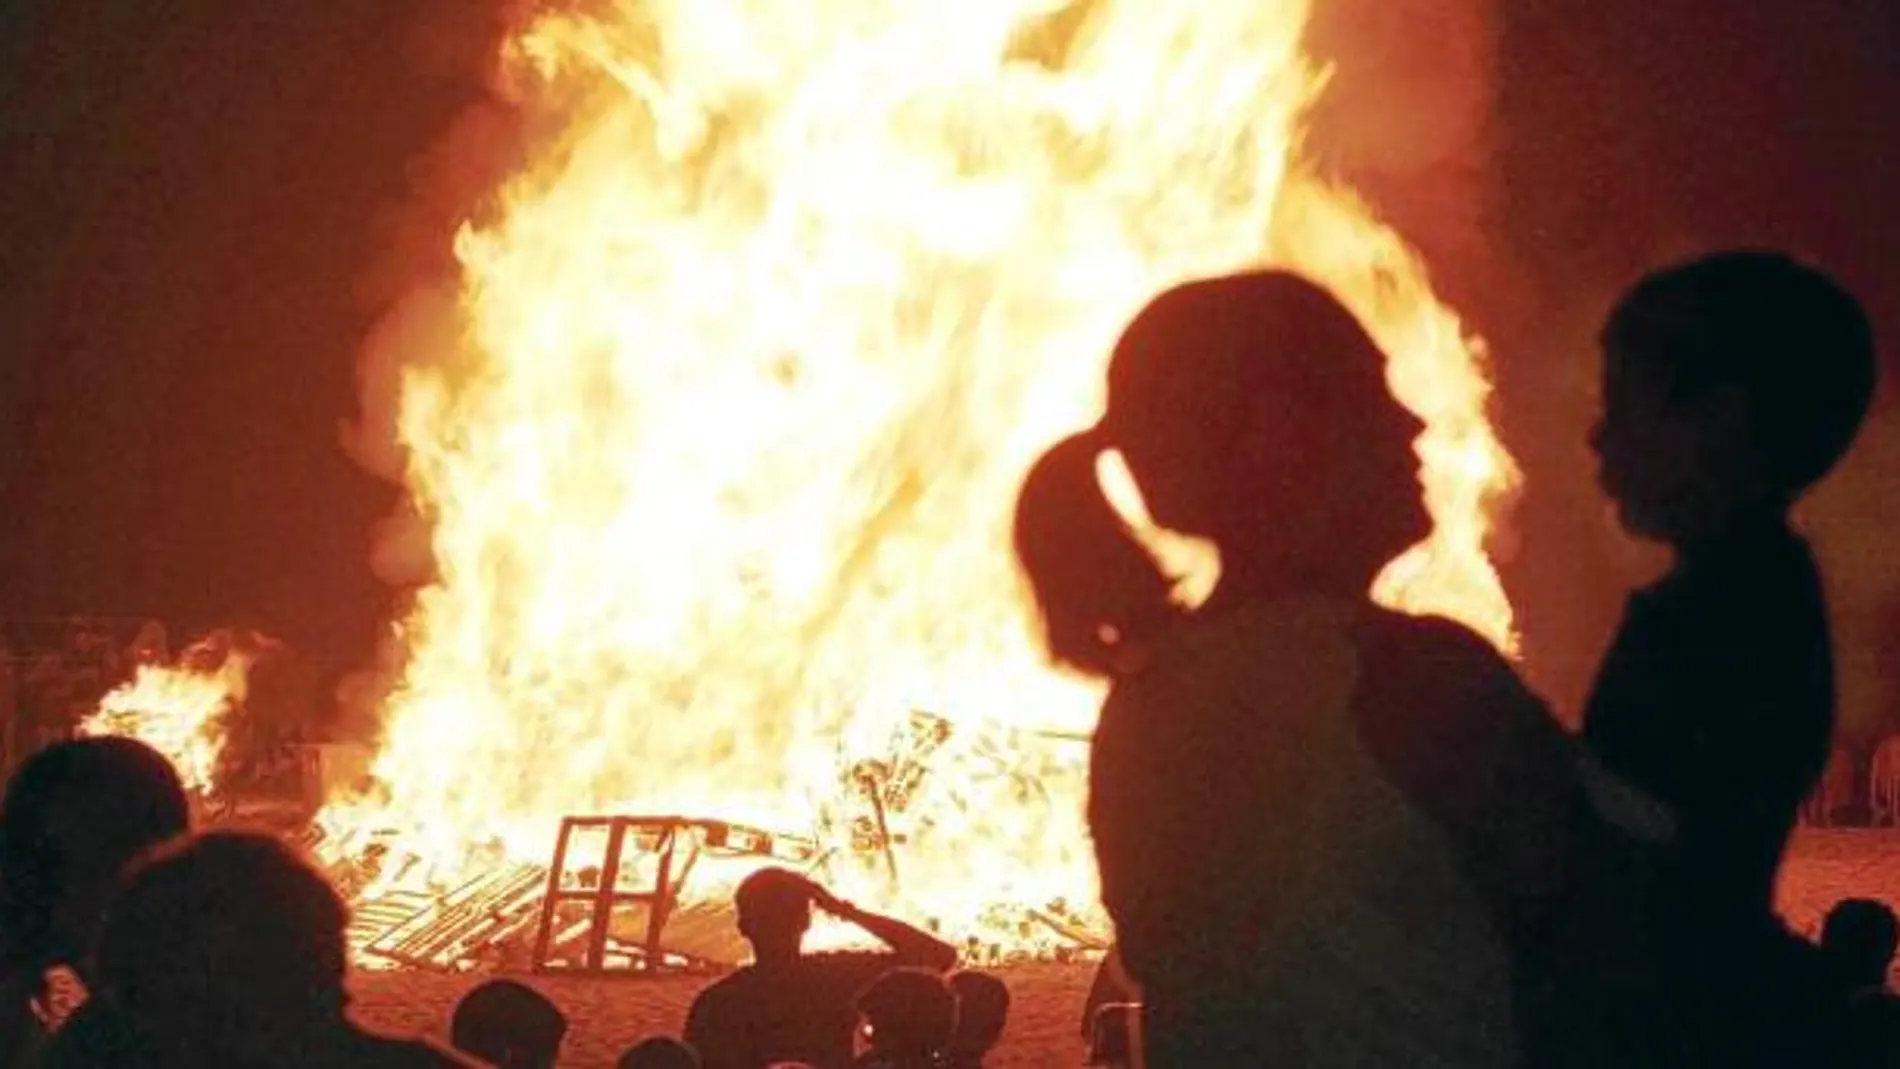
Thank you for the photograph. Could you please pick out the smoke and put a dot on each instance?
(1850, 519)
(412, 287)
(1406, 121)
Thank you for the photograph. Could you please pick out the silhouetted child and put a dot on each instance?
(658, 1052)
(982, 1011)
(509, 1025)
(1859, 937)
(75, 813)
(910, 1017)
(229, 950)
(1858, 940)
(792, 1006)
(1731, 384)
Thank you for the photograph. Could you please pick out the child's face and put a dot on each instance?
(1674, 467)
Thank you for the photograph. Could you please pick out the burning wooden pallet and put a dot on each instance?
(458, 929)
(613, 902)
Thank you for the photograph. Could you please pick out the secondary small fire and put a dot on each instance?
(753, 354)
(180, 709)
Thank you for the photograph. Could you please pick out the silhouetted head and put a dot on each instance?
(1731, 384)
(226, 947)
(75, 814)
(909, 1014)
(774, 908)
(1859, 937)
(659, 1052)
(1251, 410)
(982, 1010)
(508, 1025)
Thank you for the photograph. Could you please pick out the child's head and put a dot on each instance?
(1731, 384)
(1859, 937)
(982, 1009)
(910, 1013)
(658, 1052)
(508, 1024)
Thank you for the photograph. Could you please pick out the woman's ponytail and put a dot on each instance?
(1102, 596)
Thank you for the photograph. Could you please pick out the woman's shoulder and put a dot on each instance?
(1247, 674)
(1447, 717)
(1244, 639)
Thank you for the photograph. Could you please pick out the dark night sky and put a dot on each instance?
(192, 189)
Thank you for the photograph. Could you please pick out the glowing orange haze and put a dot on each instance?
(754, 354)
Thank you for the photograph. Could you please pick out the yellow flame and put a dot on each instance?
(178, 710)
(754, 354)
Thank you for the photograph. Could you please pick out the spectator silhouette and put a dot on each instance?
(1858, 940)
(74, 815)
(982, 1011)
(509, 1025)
(1731, 384)
(1313, 817)
(792, 1006)
(910, 1016)
(228, 950)
(659, 1052)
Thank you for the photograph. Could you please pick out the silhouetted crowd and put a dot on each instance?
(1328, 834)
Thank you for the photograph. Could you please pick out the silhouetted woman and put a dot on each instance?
(1317, 821)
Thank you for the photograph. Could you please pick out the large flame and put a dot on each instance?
(753, 356)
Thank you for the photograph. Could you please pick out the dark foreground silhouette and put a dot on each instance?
(1314, 818)
(793, 1006)
(1731, 384)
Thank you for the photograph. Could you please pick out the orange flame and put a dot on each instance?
(178, 710)
(753, 356)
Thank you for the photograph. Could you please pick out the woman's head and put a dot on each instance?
(1243, 403)
(75, 814)
(1252, 410)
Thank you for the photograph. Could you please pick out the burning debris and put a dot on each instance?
(647, 894)
(184, 709)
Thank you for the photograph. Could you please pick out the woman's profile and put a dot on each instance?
(1319, 824)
